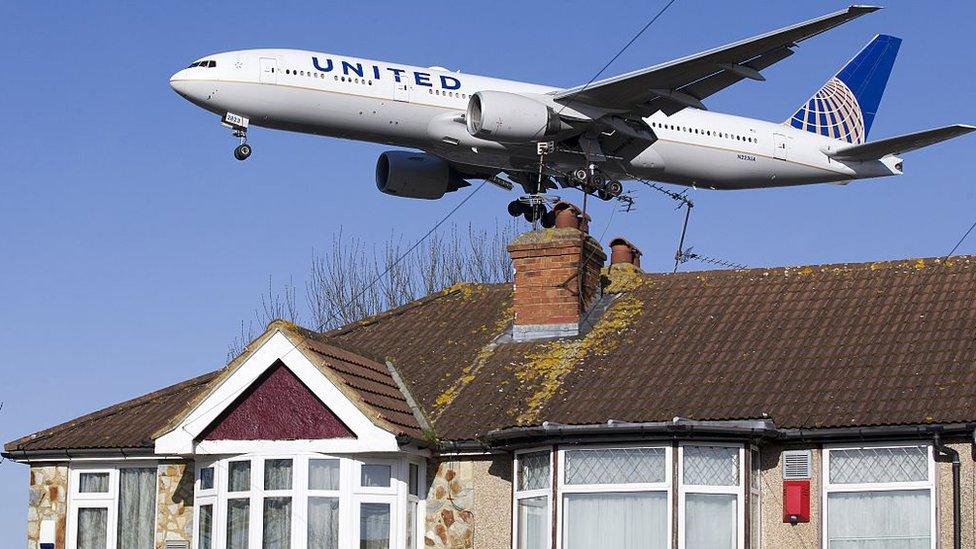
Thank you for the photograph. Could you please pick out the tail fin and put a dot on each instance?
(845, 107)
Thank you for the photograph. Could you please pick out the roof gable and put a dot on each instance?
(277, 406)
(282, 345)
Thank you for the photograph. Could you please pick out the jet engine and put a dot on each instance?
(416, 175)
(510, 118)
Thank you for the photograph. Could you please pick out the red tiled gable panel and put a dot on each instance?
(129, 424)
(830, 346)
(278, 406)
(433, 340)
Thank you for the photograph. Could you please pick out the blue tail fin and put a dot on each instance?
(845, 107)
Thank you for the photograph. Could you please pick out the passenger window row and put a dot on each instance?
(322, 76)
(709, 133)
(447, 93)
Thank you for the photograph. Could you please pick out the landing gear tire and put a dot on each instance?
(614, 188)
(581, 175)
(242, 151)
(516, 208)
(533, 213)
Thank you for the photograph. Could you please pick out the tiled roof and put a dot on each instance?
(129, 424)
(888, 343)
(828, 346)
(372, 384)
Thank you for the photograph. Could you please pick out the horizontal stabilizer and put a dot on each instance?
(902, 143)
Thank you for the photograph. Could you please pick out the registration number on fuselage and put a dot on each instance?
(746, 157)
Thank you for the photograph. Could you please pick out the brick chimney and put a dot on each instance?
(557, 278)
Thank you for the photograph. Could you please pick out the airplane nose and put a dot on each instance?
(179, 83)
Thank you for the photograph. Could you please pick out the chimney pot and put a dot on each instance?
(568, 215)
(623, 251)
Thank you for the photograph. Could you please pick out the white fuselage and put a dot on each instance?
(417, 107)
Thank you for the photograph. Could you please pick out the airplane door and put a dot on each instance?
(269, 70)
(401, 91)
(780, 146)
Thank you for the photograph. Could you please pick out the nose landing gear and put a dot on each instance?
(242, 151)
(238, 124)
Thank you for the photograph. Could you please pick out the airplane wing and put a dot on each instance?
(684, 82)
(902, 143)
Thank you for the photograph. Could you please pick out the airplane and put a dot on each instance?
(649, 124)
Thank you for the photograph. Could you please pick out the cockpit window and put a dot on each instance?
(211, 64)
(208, 64)
(194, 65)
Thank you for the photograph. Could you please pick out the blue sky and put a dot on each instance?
(132, 244)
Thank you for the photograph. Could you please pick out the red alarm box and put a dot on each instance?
(796, 501)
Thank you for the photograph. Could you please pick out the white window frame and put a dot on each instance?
(755, 497)
(104, 500)
(350, 494)
(564, 489)
(527, 494)
(417, 501)
(738, 491)
(928, 484)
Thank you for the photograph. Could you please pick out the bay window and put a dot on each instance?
(309, 501)
(615, 497)
(878, 496)
(533, 488)
(112, 507)
(711, 496)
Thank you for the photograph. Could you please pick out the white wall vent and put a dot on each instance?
(797, 464)
(177, 544)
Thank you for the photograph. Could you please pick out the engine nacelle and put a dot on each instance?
(416, 175)
(510, 118)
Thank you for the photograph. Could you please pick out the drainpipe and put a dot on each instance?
(956, 504)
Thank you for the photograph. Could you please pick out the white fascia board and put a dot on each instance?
(369, 437)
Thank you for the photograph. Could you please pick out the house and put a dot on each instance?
(587, 406)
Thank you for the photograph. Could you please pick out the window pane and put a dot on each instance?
(277, 523)
(411, 525)
(618, 520)
(413, 479)
(615, 466)
(205, 541)
(93, 483)
(533, 516)
(207, 478)
(872, 465)
(323, 523)
(239, 476)
(375, 475)
(323, 474)
(137, 508)
(711, 466)
(237, 523)
(277, 474)
(374, 526)
(879, 520)
(92, 528)
(533, 471)
(710, 521)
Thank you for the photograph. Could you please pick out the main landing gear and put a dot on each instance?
(594, 182)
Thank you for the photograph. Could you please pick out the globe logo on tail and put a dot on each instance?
(833, 111)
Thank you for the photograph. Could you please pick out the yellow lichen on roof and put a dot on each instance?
(622, 277)
(469, 372)
(546, 368)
